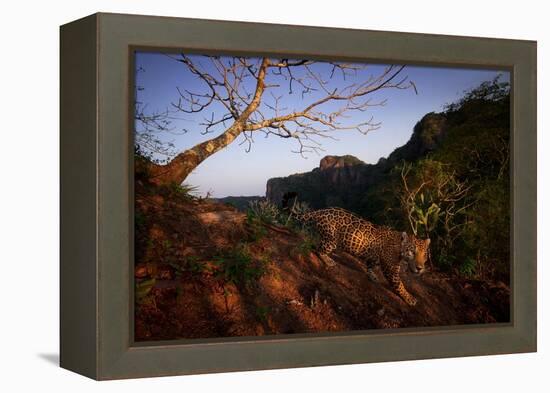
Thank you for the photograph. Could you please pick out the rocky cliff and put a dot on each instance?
(341, 180)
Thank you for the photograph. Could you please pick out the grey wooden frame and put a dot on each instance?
(97, 202)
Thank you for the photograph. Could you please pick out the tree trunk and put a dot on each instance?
(177, 170)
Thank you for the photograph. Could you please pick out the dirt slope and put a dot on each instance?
(204, 270)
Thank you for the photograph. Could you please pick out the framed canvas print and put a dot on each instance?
(240, 196)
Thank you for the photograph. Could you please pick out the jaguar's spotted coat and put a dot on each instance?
(344, 230)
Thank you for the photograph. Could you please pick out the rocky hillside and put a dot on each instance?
(205, 269)
(340, 181)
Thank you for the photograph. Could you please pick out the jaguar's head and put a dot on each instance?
(415, 252)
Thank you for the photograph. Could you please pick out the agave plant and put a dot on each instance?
(424, 217)
(300, 208)
(264, 210)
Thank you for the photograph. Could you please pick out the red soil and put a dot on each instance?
(183, 294)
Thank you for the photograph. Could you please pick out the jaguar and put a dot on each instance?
(373, 244)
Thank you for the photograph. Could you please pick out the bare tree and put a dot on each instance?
(234, 103)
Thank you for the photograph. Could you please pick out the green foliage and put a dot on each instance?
(165, 251)
(444, 260)
(423, 200)
(288, 216)
(435, 201)
(468, 267)
(239, 267)
(426, 218)
(307, 246)
(264, 211)
(262, 312)
(143, 289)
(190, 264)
(488, 91)
(257, 228)
(309, 238)
(139, 220)
(459, 193)
(184, 191)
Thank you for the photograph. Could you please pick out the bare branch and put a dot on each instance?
(230, 93)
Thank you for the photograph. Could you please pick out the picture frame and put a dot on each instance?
(96, 263)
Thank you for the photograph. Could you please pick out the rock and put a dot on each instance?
(141, 271)
(339, 162)
(342, 180)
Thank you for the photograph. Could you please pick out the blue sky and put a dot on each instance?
(233, 171)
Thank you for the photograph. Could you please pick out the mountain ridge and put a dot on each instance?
(340, 179)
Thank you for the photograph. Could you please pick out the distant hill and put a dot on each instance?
(239, 202)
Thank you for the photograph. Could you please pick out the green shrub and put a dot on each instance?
(458, 194)
(239, 267)
(139, 220)
(307, 246)
(185, 191)
(190, 264)
(257, 230)
(468, 267)
(264, 211)
(143, 288)
(262, 313)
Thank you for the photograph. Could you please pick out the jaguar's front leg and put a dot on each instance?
(370, 270)
(393, 277)
(328, 245)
